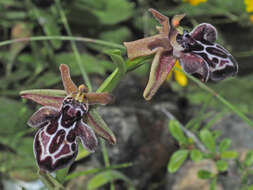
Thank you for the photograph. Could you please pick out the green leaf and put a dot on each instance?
(117, 60)
(106, 177)
(13, 117)
(224, 145)
(96, 170)
(177, 159)
(137, 62)
(213, 184)
(208, 140)
(177, 132)
(222, 165)
(196, 155)
(250, 187)
(118, 35)
(113, 12)
(249, 158)
(91, 63)
(229, 155)
(48, 22)
(82, 153)
(204, 174)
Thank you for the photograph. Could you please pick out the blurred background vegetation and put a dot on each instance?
(34, 64)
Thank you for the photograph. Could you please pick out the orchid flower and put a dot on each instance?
(196, 51)
(62, 120)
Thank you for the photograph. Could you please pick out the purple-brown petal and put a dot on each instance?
(194, 65)
(68, 84)
(45, 97)
(41, 117)
(162, 64)
(99, 98)
(204, 31)
(141, 47)
(164, 21)
(87, 136)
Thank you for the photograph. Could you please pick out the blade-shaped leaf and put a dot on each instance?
(225, 144)
(204, 174)
(229, 155)
(177, 132)
(208, 140)
(106, 177)
(46, 97)
(100, 127)
(177, 160)
(222, 165)
(117, 60)
(196, 155)
(249, 158)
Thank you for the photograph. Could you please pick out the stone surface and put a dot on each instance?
(187, 179)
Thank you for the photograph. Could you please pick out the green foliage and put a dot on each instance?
(221, 165)
(249, 159)
(34, 64)
(177, 132)
(204, 174)
(229, 155)
(106, 177)
(196, 155)
(113, 12)
(177, 159)
(208, 140)
(224, 145)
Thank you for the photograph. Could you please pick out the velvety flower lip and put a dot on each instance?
(60, 122)
(163, 45)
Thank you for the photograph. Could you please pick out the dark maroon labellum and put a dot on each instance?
(55, 143)
(210, 60)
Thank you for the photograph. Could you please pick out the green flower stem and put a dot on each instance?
(63, 38)
(73, 44)
(49, 181)
(105, 153)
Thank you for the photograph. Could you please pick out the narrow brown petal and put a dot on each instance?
(141, 47)
(162, 64)
(45, 97)
(99, 98)
(68, 84)
(164, 21)
(100, 127)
